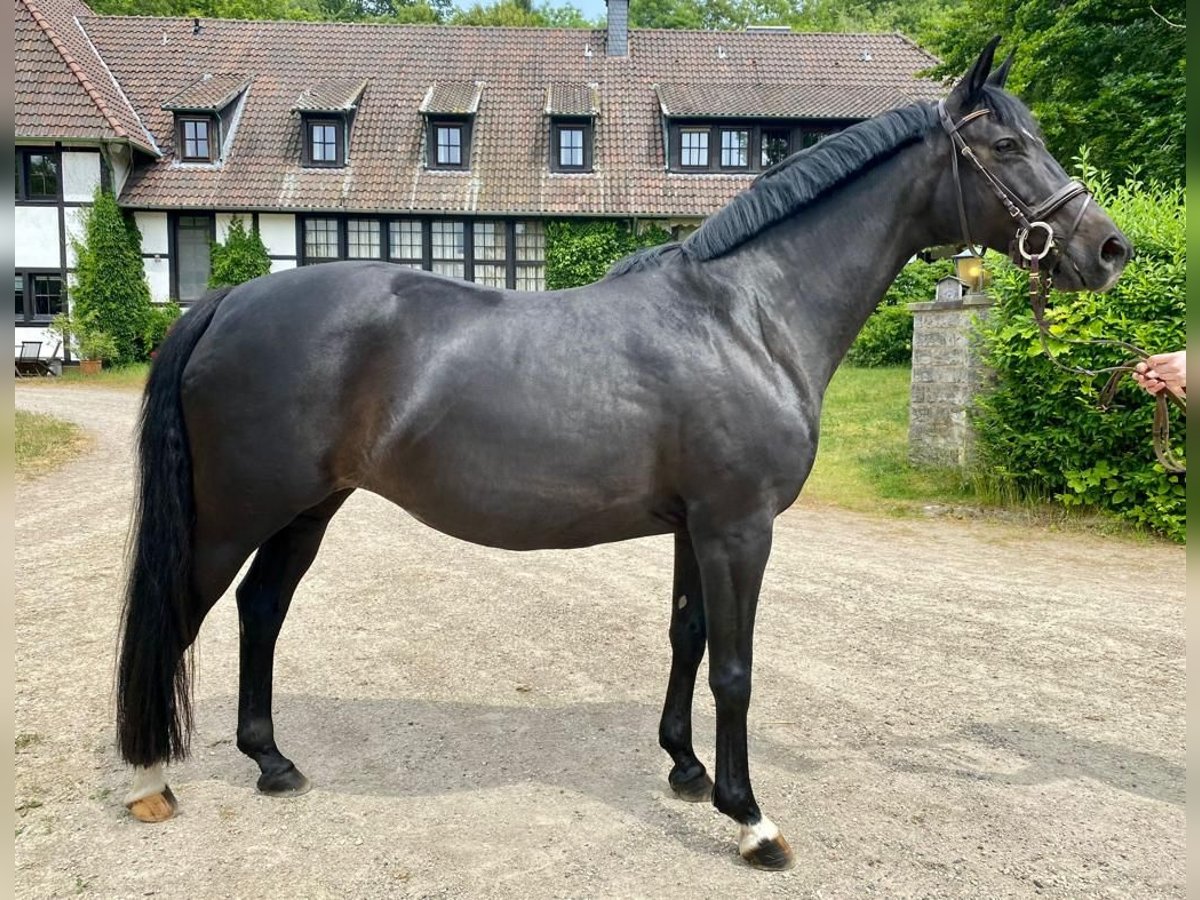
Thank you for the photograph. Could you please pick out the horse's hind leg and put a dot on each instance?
(263, 598)
(688, 778)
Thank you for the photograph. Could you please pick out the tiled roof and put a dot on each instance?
(573, 100)
(209, 92)
(452, 98)
(63, 90)
(785, 101)
(331, 95)
(155, 58)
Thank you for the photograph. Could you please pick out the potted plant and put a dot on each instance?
(91, 344)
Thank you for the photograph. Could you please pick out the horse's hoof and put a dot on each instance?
(154, 808)
(764, 847)
(697, 790)
(288, 783)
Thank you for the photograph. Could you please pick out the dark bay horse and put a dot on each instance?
(681, 394)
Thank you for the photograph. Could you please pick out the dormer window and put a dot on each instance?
(206, 114)
(324, 142)
(572, 110)
(737, 129)
(196, 139)
(448, 144)
(449, 108)
(326, 113)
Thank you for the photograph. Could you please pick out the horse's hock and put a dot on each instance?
(947, 373)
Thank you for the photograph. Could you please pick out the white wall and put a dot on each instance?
(158, 276)
(153, 226)
(278, 232)
(81, 175)
(37, 240)
(282, 265)
(73, 217)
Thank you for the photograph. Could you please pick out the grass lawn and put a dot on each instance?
(43, 443)
(862, 458)
(131, 377)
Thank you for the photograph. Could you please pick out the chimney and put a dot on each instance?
(618, 28)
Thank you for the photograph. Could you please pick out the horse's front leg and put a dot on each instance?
(732, 557)
(688, 778)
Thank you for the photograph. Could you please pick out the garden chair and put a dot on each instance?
(30, 357)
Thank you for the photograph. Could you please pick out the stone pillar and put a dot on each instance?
(947, 373)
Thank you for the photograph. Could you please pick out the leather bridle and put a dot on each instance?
(1030, 219)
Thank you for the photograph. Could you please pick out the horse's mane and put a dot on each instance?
(791, 184)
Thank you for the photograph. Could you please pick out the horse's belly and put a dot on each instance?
(524, 498)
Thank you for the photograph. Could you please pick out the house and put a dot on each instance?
(444, 148)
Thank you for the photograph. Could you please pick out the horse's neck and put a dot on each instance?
(820, 274)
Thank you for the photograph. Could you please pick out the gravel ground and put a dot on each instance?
(941, 709)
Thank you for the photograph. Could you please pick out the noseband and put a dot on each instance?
(1033, 218)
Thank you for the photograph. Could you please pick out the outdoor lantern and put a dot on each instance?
(970, 271)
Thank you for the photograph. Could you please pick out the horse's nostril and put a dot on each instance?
(1114, 250)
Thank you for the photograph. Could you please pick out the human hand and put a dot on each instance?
(1162, 371)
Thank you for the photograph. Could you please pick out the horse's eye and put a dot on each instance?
(1005, 145)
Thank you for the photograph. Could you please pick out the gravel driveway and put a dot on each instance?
(941, 709)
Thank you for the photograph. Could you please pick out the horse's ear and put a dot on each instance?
(967, 92)
(1000, 75)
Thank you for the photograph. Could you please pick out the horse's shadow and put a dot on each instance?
(413, 748)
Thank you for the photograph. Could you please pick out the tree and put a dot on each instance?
(1105, 74)
(243, 256)
(109, 292)
(723, 15)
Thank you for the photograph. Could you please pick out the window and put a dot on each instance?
(449, 145)
(491, 258)
(195, 140)
(193, 262)
(693, 147)
(37, 175)
(323, 143)
(572, 147)
(321, 242)
(39, 296)
(448, 240)
(405, 244)
(530, 241)
(735, 148)
(43, 176)
(47, 293)
(811, 138)
(775, 144)
(362, 239)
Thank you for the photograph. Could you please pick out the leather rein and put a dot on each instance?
(1033, 219)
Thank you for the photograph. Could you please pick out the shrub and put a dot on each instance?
(158, 323)
(886, 338)
(86, 340)
(1040, 429)
(109, 292)
(580, 252)
(242, 257)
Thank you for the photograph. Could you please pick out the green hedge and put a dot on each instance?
(1040, 429)
(579, 252)
(886, 338)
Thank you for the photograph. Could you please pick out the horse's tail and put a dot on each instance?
(154, 710)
